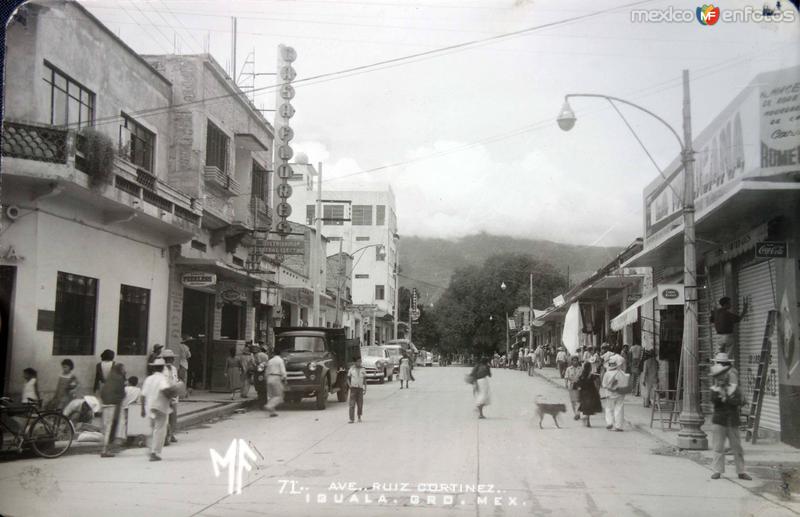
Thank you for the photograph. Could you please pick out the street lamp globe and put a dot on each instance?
(503, 286)
(566, 118)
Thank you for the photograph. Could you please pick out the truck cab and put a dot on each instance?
(317, 359)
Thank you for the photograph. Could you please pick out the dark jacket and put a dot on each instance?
(113, 390)
(98, 375)
(588, 395)
(480, 371)
(726, 412)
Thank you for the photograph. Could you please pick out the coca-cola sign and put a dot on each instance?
(772, 249)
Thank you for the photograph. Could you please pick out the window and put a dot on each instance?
(232, 321)
(362, 215)
(76, 310)
(334, 239)
(136, 143)
(70, 103)
(259, 182)
(362, 276)
(199, 245)
(216, 148)
(380, 215)
(362, 239)
(379, 292)
(332, 215)
(134, 311)
(310, 209)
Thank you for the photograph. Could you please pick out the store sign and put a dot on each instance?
(231, 295)
(284, 247)
(671, 294)
(199, 279)
(772, 249)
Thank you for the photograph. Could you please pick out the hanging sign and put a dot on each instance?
(231, 295)
(772, 249)
(198, 279)
(671, 294)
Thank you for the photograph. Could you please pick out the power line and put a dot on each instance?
(121, 6)
(175, 32)
(151, 23)
(191, 35)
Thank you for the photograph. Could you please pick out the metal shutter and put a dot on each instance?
(757, 282)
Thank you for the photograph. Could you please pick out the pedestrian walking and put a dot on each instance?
(151, 357)
(480, 381)
(588, 395)
(132, 394)
(30, 391)
(233, 372)
(171, 373)
(615, 384)
(727, 400)
(649, 377)
(184, 354)
(725, 321)
(67, 387)
(102, 369)
(156, 394)
(404, 370)
(733, 374)
(112, 393)
(276, 378)
(571, 375)
(247, 365)
(260, 376)
(537, 357)
(561, 361)
(635, 362)
(357, 378)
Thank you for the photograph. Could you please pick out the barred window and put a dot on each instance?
(75, 315)
(310, 210)
(70, 103)
(380, 215)
(332, 215)
(216, 148)
(134, 315)
(136, 143)
(362, 239)
(362, 276)
(362, 215)
(259, 182)
(379, 292)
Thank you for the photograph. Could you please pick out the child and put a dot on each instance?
(30, 393)
(156, 406)
(66, 388)
(132, 394)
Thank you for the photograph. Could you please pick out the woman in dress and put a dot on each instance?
(571, 375)
(66, 388)
(405, 370)
(588, 395)
(480, 375)
(649, 377)
(233, 371)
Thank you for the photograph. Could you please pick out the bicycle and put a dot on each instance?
(49, 433)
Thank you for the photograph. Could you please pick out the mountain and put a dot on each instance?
(428, 264)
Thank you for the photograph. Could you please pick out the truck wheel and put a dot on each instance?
(383, 378)
(343, 392)
(322, 395)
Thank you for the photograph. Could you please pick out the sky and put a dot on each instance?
(467, 137)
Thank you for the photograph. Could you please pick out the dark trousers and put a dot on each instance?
(356, 397)
(562, 368)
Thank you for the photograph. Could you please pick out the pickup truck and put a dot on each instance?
(317, 360)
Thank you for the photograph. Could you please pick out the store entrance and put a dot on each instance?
(7, 276)
(198, 323)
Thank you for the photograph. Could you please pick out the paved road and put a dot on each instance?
(419, 452)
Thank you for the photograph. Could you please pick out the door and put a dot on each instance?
(197, 322)
(7, 277)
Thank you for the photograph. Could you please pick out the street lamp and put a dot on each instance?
(691, 436)
(503, 288)
(381, 253)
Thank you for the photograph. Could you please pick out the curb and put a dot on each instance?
(194, 418)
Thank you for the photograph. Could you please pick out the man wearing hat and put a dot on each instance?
(171, 373)
(156, 406)
(725, 421)
(614, 381)
(733, 374)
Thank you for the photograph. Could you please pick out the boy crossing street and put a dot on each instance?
(357, 379)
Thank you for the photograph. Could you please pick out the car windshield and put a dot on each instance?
(393, 352)
(372, 351)
(292, 344)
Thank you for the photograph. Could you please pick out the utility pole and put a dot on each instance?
(691, 436)
(530, 314)
(410, 321)
(340, 278)
(233, 48)
(396, 289)
(317, 251)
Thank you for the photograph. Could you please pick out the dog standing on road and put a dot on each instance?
(553, 410)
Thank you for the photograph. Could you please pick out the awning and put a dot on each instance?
(631, 314)
(225, 271)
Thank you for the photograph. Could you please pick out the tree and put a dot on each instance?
(471, 314)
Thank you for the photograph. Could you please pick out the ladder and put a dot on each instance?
(757, 399)
(666, 408)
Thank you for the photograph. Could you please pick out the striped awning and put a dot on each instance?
(631, 314)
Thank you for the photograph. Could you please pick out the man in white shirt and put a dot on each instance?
(276, 377)
(357, 378)
(156, 406)
(171, 373)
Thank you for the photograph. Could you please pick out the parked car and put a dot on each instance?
(317, 360)
(394, 352)
(377, 363)
(428, 359)
(406, 345)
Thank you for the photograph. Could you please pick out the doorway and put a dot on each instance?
(7, 277)
(198, 323)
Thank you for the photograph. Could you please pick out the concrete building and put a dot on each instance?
(220, 150)
(363, 225)
(88, 215)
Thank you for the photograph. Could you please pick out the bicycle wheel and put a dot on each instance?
(51, 435)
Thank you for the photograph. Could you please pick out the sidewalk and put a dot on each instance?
(764, 461)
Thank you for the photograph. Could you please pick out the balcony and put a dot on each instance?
(261, 211)
(220, 182)
(46, 159)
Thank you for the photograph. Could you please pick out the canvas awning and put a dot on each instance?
(631, 314)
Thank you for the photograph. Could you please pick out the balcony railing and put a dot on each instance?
(223, 182)
(44, 144)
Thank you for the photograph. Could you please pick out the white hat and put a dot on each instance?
(718, 370)
(158, 362)
(722, 357)
(167, 353)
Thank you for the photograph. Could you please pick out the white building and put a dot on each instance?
(362, 224)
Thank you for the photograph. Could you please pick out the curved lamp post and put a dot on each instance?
(503, 288)
(691, 436)
(382, 249)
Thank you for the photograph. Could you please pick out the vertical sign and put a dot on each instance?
(284, 111)
(414, 309)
